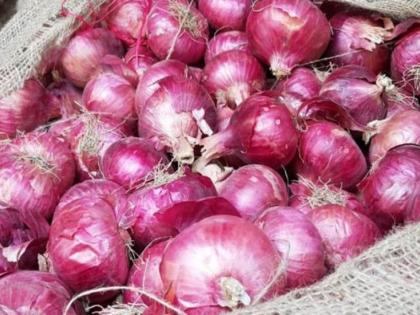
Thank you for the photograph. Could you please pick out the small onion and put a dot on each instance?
(299, 242)
(139, 59)
(177, 30)
(221, 242)
(359, 40)
(226, 15)
(232, 76)
(82, 55)
(240, 187)
(328, 154)
(232, 40)
(286, 33)
(345, 233)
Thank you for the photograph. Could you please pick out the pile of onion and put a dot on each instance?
(232, 40)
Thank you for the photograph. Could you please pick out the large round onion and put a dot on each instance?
(82, 55)
(139, 59)
(177, 30)
(358, 91)
(85, 248)
(232, 76)
(232, 40)
(244, 265)
(178, 112)
(286, 33)
(34, 292)
(225, 15)
(345, 233)
(328, 154)
(297, 239)
(359, 40)
(240, 187)
(131, 162)
(402, 128)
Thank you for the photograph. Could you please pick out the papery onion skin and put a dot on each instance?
(357, 90)
(85, 248)
(222, 241)
(390, 191)
(130, 162)
(400, 129)
(232, 76)
(189, 45)
(287, 33)
(82, 55)
(345, 233)
(359, 40)
(299, 242)
(23, 110)
(232, 40)
(35, 170)
(35, 292)
(405, 60)
(328, 154)
(139, 59)
(240, 187)
(225, 15)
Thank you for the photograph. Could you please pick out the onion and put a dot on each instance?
(221, 242)
(23, 110)
(286, 33)
(85, 248)
(232, 40)
(131, 162)
(297, 239)
(391, 190)
(225, 14)
(308, 196)
(302, 85)
(232, 76)
(177, 30)
(34, 292)
(398, 100)
(402, 128)
(82, 55)
(127, 19)
(328, 154)
(405, 62)
(240, 186)
(345, 233)
(359, 40)
(35, 170)
(117, 66)
(178, 112)
(260, 131)
(64, 100)
(139, 59)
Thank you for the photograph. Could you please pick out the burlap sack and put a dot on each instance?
(383, 280)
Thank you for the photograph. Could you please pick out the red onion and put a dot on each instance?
(240, 186)
(130, 162)
(23, 110)
(117, 66)
(225, 14)
(286, 33)
(221, 242)
(232, 76)
(85, 247)
(176, 115)
(127, 19)
(391, 190)
(359, 40)
(34, 292)
(402, 128)
(64, 100)
(177, 30)
(405, 62)
(82, 55)
(35, 170)
(328, 154)
(345, 233)
(302, 85)
(297, 239)
(139, 59)
(398, 100)
(260, 131)
(232, 40)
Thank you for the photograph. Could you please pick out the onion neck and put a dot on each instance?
(232, 293)
(278, 68)
(385, 83)
(184, 151)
